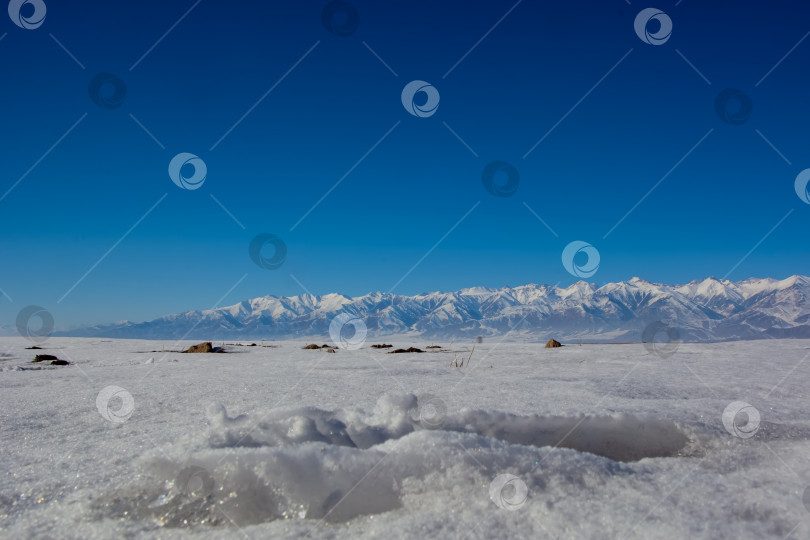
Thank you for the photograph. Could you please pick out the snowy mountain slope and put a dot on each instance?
(706, 310)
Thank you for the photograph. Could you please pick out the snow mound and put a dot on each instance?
(314, 464)
(620, 438)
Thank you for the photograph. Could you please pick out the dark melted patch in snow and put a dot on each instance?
(625, 438)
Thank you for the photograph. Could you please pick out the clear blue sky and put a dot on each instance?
(397, 203)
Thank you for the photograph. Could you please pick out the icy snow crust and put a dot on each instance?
(610, 441)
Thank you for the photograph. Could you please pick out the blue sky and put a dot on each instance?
(535, 74)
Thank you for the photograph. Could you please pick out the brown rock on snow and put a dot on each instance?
(204, 347)
(553, 343)
(408, 350)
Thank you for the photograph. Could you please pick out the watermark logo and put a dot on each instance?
(340, 18)
(187, 171)
(741, 419)
(348, 331)
(664, 349)
(801, 186)
(582, 270)
(733, 106)
(508, 492)
(431, 101)
(268, 251)
(646, 19)
(501, 179)
(430, 411)
(34, 332)
(107, 90)
(28, 14)
(105, 405)
(195, 482)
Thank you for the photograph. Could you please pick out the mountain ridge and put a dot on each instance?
(711, 309)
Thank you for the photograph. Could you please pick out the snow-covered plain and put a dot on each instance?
(601, 441)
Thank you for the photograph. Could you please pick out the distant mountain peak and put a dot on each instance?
(701, 310)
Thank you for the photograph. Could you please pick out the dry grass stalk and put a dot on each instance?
(455, 363)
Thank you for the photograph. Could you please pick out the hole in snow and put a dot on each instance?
(624, 438)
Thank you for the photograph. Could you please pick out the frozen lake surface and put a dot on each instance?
(592, 441)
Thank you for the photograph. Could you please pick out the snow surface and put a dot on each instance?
(594, 441)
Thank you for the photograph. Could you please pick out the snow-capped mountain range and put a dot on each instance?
(707, 310)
